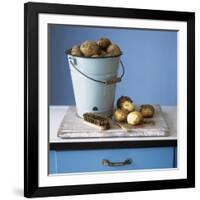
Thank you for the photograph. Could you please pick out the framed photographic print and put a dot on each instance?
(109, 99)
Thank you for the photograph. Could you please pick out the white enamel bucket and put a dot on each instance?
(94, 82)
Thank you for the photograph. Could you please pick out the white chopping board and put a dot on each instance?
(73, 126)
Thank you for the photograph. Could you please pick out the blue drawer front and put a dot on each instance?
(52, 162)
(91, 160)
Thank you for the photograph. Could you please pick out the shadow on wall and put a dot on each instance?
(149, 56)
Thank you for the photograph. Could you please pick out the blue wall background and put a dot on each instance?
(149, 56)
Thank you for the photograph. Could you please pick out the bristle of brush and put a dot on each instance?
(97, 120)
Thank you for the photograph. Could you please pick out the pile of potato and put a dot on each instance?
(101, 48)
(126, 111)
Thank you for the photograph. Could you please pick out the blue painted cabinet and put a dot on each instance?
(77, 161)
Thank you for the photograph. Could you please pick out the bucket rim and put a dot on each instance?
(67, 52)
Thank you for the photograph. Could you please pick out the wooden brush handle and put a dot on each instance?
(123, 127)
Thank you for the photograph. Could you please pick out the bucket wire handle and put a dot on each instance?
(107, 82)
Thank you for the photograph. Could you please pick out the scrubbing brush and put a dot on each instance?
(96, 120)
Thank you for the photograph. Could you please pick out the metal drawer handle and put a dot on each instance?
(106, 162)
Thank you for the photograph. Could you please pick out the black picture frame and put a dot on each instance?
(31, 186)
